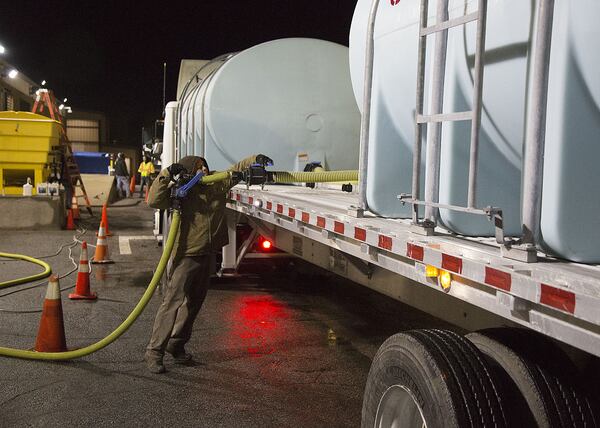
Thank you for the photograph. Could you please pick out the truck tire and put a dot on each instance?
(543, 375)
(432, 378)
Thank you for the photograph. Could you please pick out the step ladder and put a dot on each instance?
(45, 100)
(73, 175)
(436, 118)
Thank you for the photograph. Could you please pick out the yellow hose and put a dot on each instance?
(135, 313)
(314, 177)
(321, 169)
(47, 270)
(216, 176)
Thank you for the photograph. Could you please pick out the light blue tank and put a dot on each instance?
(290, 99)
(571, 178)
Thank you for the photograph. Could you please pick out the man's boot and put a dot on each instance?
(155, 364)
(179, 354)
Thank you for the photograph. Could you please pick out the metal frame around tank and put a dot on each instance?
(436, 117)
(366, 113)
(523, 249)
(533, 168)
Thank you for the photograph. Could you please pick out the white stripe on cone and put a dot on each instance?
(53, 290)
(83, 259)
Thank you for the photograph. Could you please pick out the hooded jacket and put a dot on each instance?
(203, 228)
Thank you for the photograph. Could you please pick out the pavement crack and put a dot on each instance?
(36, 389)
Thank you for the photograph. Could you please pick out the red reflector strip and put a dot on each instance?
(385, 242)
(321, 221)
(451, 263)
(305, 217)
(291, 212)
(560, 299)
(280, 208)
(360, 234)
(238, 197)
(338, 227)
(414, 252)
(251, 200)
(269, 206)
(498, 279)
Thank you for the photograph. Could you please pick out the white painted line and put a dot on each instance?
(125, 248)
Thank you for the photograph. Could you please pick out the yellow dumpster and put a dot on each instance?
(26, 140)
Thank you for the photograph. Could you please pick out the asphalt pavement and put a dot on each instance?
(280, 345)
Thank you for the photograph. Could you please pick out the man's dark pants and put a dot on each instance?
(185, 292)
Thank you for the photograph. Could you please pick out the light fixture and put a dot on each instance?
(2, 50)
(431, 271)
(65, 100)
(445, 280)
(13, 73)
(62, 106)
(43, 82)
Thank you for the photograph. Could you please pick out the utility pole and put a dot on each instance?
(164, 89)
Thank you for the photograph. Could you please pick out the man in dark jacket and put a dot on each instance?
(202, 233)
(122, 176)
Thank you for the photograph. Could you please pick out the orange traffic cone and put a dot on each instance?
(75, 208)
(105, 219)
(101, 254)
(132, 185)
(70, 222)
(82, 286)
(51, 334)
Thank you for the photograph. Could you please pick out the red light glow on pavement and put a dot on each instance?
(257, 322)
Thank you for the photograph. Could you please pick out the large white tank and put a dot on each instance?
(573, 116)
(290, 99)
(570, 224)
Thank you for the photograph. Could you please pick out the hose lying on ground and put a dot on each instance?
(47, 270)
(116, 333)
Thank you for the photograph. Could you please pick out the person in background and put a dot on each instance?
(146, 169)
(202, 233)
(122, 175)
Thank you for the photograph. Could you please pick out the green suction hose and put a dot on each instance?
(135, 313)
(289, 177)
(215, 177)
(47, 270)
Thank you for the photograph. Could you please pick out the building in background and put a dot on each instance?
(87, 130)
(17, 91)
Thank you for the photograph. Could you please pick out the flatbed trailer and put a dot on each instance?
(557, 298)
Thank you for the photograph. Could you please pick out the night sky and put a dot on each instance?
(107, 55)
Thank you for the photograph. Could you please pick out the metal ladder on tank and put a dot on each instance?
(436, 118)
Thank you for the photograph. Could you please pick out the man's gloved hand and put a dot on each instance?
(264, 160)
(175, 169)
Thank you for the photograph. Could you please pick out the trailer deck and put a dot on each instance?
(555, 297)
